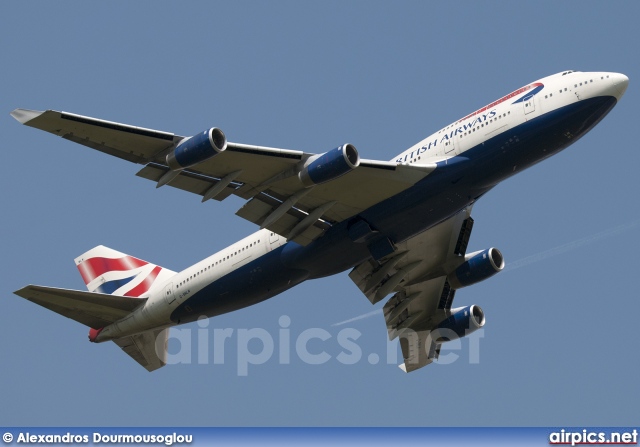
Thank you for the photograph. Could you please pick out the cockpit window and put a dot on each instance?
(567, 72)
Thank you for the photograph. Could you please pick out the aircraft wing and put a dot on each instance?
(265, 177)
(417, 274)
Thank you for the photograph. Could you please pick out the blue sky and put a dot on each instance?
(560, 344)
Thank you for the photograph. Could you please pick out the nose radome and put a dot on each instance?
(620, 83)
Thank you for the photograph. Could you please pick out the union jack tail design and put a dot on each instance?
(105, 270)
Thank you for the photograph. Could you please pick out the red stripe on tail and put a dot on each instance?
(145, 284)
(94, 267)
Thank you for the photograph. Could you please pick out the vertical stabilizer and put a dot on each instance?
(109, 271)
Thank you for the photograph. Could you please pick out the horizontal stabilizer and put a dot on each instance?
(149, 348)
(95, 310)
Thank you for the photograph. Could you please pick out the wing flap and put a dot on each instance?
(414, 307)
(259, 208)
(186, 180)
(418, 350)
(95, 310)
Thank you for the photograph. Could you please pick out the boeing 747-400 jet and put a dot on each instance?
(401, 226)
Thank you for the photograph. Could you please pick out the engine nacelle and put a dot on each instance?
(197, 149)
(330, 165)
(460, 323)
(477, 267)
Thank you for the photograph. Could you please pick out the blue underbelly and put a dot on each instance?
(252, 283)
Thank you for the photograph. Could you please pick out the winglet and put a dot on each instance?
(25, 115)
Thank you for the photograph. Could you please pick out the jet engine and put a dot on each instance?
(477, 267)
(460, 323)
(197, 149)
(330, 165)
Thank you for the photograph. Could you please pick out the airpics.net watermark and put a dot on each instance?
(206, 345)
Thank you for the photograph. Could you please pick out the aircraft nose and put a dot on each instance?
(620, 84)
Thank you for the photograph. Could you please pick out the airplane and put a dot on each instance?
(402, 226)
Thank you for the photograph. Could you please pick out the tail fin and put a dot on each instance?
(105, 270)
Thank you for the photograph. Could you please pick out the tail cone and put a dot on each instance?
(93, 334)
